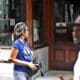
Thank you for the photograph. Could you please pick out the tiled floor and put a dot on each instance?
(54, 75)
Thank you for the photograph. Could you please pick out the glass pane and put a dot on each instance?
(5, 35)
(16, 10)
(7, 21)
(57, 11)
(37, 21)
(4, 23)
(65, 12)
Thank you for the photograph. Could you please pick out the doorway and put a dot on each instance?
(65, 50)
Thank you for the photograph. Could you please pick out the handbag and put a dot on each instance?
(31, 72)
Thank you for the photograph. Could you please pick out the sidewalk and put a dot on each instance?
(50, 75)
(54, 75)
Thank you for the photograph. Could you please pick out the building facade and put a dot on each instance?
(49, 40)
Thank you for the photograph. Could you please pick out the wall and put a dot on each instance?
(42, 54)
(6, 69)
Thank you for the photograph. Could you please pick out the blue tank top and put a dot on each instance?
(24, 55)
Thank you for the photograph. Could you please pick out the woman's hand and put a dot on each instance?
(33, 66)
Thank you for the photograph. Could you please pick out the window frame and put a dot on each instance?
(43, 41)
(30, 23)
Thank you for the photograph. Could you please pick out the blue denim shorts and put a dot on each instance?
(21, 76)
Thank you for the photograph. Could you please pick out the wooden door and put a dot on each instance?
(65, 56)
(65, 52)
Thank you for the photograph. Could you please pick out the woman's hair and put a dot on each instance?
(19, 28)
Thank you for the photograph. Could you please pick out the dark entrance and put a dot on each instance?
(65, 50)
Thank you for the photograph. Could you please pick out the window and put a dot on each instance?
(4, 23)
(57, 11)
(38, 24)
(65, 11)
(9, 15)
(15, 8)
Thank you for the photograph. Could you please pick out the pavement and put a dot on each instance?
(54, 75)
(49, 75)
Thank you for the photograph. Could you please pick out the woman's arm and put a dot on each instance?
(13, 59)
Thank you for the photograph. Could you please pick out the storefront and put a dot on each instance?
(65, 51)
(42, 17)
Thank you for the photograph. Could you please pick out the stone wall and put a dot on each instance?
(42, 54)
